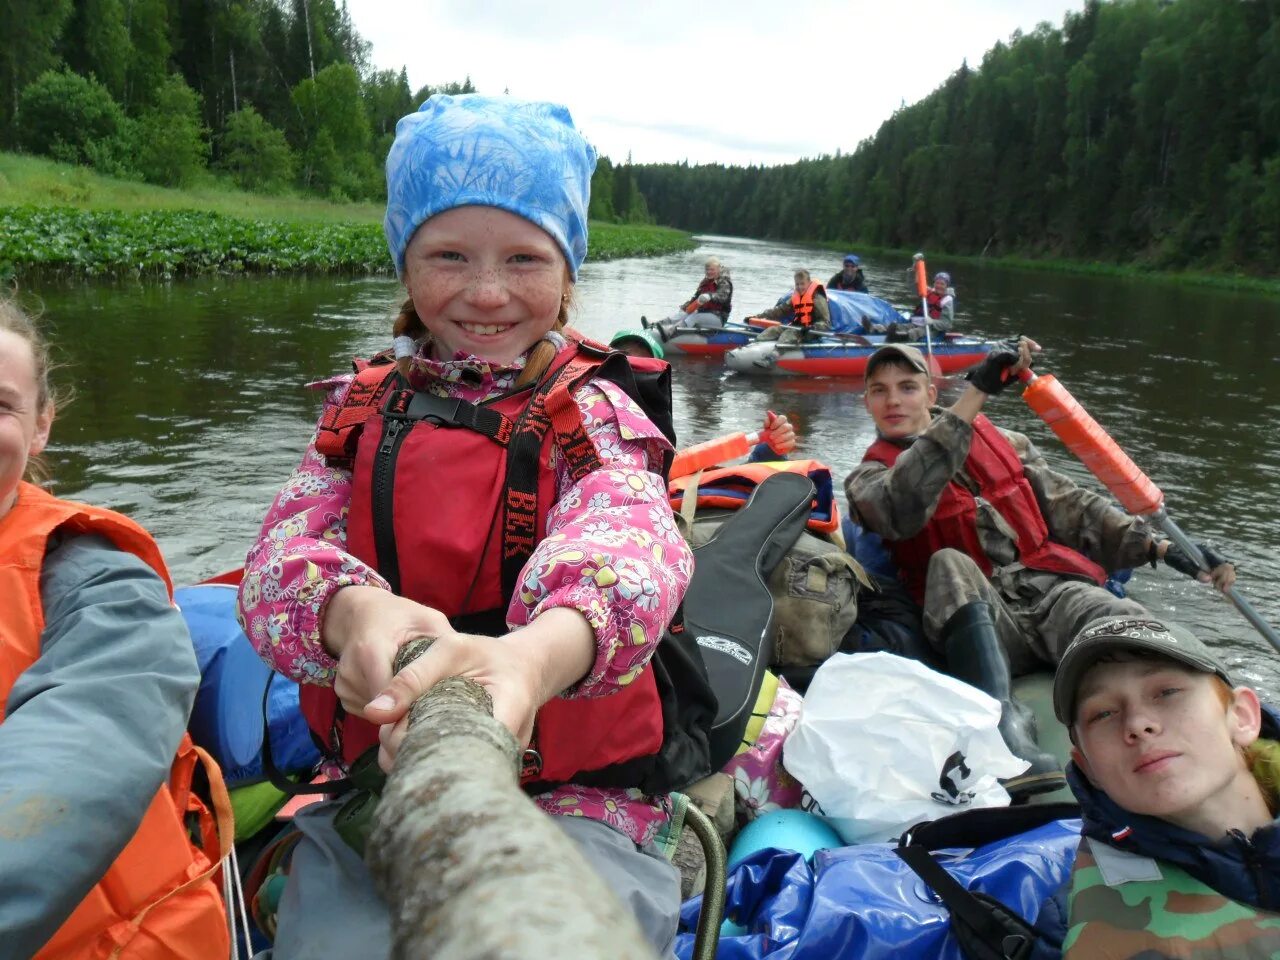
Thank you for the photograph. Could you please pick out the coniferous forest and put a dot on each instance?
(273, 95)
(1140, 131)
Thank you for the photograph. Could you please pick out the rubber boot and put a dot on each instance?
(976, 656)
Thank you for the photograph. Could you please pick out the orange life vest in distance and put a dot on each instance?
(995, 466)
(731, 487)
(802, 304)
(159, 900)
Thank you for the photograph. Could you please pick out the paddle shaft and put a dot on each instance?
(922, 288)
(1086, 438)
(855, 338)
(1162, 519)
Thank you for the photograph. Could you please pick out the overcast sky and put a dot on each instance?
(753, 81)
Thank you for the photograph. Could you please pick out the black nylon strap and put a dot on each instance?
(278, 779)
(1004, 939)
(520, 498)
(455, 412)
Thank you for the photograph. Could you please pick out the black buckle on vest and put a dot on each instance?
(445, 411)
(530, 764)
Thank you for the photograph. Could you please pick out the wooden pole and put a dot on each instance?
(468, 866)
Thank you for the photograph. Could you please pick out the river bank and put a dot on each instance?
(940, 260)
(62, 220)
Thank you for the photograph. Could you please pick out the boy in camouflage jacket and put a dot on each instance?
(1011, 566)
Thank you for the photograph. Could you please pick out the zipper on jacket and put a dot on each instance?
(382, 491)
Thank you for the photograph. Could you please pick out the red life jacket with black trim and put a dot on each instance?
(714, 306)
(802, 304)
(449, 500)
(934, 301)
(995, 466)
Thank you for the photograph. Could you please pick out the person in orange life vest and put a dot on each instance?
(849, 276)
(1177, 770)
(708, 308)
(97, 677)
(777, 435)
(1006, 556)
(488, 248)
(805, 312)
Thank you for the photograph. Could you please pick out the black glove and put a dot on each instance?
(1177, 558)
(991, 375)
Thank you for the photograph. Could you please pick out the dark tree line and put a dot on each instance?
(1142, 130)
(274, 92)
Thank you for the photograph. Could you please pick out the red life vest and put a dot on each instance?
(934, 300)
(994, 465)
(159, 899)
(802, 304)
(450, 516)
(712, 306)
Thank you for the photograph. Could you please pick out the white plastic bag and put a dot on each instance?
(884, 742)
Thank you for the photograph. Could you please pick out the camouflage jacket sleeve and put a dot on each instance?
(1080, 518)
(821, 311)
(896, 502)
(723, 293)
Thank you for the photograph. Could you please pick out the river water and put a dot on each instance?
(190, 411)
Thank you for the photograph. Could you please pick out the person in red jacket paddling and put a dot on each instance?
(1006, 556)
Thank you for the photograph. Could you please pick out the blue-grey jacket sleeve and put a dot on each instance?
(89, 734)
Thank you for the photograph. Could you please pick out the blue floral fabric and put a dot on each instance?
(522, 156)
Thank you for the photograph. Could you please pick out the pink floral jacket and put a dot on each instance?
(612, 552)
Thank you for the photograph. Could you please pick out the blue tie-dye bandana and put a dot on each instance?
(521, 156)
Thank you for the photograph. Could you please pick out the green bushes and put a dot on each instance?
(167, 244)
(171, 243)
(73, 119)
(254, 153)
(172, 150)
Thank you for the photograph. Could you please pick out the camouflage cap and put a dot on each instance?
(1127, 633)
(898, 351)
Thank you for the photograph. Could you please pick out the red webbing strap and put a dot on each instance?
(578, 449)
(340, 426)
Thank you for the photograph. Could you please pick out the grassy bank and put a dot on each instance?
(61, 219)
(1197, 278)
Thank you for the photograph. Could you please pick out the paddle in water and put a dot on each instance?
(1086, 438)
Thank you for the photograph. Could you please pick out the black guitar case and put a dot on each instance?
(728, 610)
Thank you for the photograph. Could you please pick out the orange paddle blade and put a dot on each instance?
(1085, 437)
(922, 278)
(712, 452)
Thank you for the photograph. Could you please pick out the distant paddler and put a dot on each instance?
(849, 277)
(804, 313)
(707, 309)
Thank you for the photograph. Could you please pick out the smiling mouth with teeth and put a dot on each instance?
(482, 329)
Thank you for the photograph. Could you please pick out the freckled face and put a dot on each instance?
(24, 429)
(898, 400)
(485, 282)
